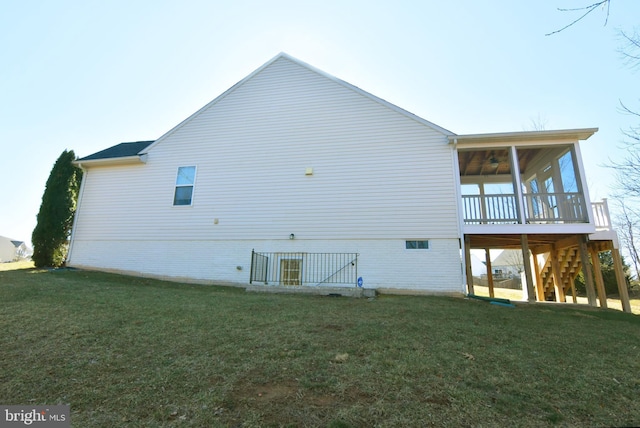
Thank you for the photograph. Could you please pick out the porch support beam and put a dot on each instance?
(541, 249)
(622, 282)
(586, 270)
(557, 276)
(517, 184)
(467, 259)
(572, 280)
(570, 241)
(487, 258)
(597, 273)
(539, 286)
(526, 258)
(574, 295)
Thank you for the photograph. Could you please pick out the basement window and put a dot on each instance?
(185, 182)
(417, 245)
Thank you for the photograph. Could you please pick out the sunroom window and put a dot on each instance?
(185, 182)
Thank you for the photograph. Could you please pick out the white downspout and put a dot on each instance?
(458, 185)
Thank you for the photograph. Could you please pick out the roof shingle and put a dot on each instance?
(119, 151)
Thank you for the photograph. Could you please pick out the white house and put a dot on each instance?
(293, 177)
(478, 267)
(508, 264)
(12, 250)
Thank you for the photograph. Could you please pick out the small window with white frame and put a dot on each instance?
(185, 182)
(417, 245)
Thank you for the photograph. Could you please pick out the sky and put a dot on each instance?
(87, 75)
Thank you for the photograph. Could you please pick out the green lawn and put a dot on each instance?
(134, 352)
(24, 264)
(613, 302)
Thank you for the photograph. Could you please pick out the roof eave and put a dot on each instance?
(125, 160)
(524, 136)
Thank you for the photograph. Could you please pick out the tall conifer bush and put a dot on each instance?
(51, 236)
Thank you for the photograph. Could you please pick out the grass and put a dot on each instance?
(24, 264)
(516, 295)
(134, 352)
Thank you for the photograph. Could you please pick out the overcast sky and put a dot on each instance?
(86, 75)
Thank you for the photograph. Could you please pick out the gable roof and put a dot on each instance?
(119, 151)
(123, 153)
(508, 258)
(13, 242)
(283, 55)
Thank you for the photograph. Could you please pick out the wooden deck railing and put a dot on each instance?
(538, 208)
(601, 216)
(555, 208)
(490, 209)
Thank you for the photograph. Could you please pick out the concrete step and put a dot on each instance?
(320, 290)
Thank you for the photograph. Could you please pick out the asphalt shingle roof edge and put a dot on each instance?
(119, 151)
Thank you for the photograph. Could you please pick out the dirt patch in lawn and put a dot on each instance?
(266, 392)
(278, 401)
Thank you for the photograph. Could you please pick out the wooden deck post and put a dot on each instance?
(487, 258)
(622, 282)
(557, 278)
(467, 259)
(526, 259)
(539, 287)
(586, 270)
(574, 296)
(597, 273)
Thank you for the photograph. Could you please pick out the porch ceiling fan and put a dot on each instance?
(493, 161)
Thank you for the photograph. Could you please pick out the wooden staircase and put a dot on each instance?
(569, 265)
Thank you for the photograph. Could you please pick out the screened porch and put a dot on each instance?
(522, 185)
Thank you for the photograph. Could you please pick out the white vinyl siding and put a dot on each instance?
(378, 174)
(381, 263)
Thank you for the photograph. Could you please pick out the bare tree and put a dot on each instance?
(513, 260)
(627, 171)
(631, 48)
(627, 177)
(605, 4)
(629, 233)
(538, 123)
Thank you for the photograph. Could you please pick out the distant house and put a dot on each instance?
(508, 265)
(295, 178)
(478, 267)
(12, 250)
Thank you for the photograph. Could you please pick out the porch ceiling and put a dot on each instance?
(482, 162)
(513, 241)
